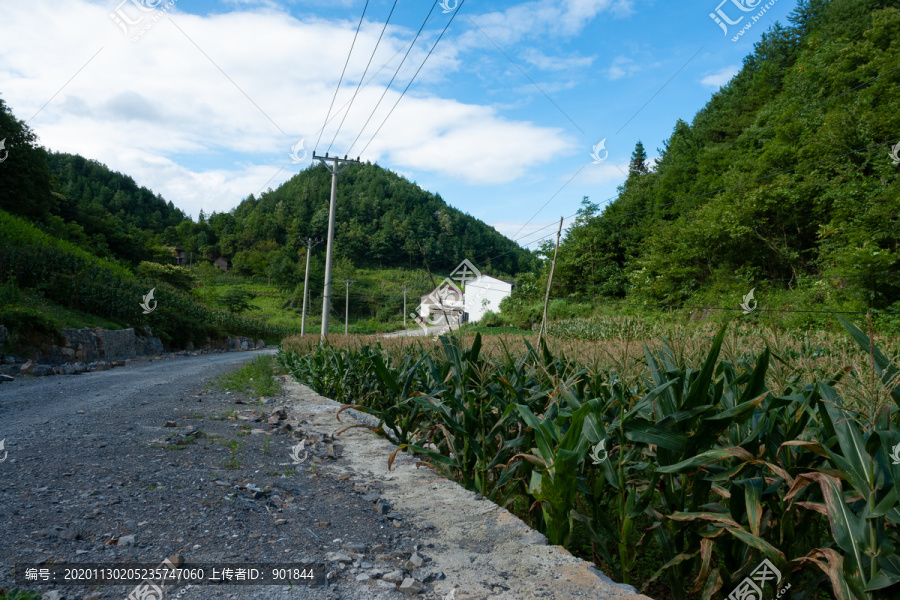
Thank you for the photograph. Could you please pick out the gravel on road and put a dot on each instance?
(148, 462)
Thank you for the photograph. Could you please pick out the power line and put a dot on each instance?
(397, 53)
(456, 12)
(350, 105)
(347, 62)
(550, 200)
(418, 33)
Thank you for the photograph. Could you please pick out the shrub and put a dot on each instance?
(491, 319)
(178, 277)
(26, 321)
(236, 300)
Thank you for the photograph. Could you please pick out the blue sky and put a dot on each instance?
(203, 101)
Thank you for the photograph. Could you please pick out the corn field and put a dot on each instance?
(694, 453)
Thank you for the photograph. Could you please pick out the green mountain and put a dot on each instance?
(786, 173)
(382, 221)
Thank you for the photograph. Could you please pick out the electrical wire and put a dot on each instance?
(350, 105)
(418, 33)
(427, 56)
(347, 62)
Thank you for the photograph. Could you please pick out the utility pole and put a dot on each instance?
(347, 305)
(335, 171)
(404, 306)
(310, 243)
(549, 283)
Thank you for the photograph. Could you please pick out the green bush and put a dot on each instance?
(75, 279)
(236, 300)
(567, 309)
(26, 321)
(491, 319)
(178, 277)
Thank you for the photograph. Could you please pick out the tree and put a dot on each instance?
(638, 164)
(25, 187)
(236, 300)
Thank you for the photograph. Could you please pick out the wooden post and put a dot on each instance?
(549, 283)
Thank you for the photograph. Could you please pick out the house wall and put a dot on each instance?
(483, 289)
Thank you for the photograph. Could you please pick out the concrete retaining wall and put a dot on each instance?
(97, 349)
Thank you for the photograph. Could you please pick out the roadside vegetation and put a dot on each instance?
(256, 378)
(49, 281)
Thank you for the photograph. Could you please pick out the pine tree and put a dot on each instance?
(638, 164)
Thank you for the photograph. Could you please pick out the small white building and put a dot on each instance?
(484, 294)
(442, 305)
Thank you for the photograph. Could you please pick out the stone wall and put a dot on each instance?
(92, 349)
(89, 345)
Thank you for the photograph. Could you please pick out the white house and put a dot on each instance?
(442, 305)
(484, 294)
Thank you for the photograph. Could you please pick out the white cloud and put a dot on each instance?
(721, 77)
(622, 66)
(555, 63)
(603, 173)
(205, 109)
(542, 18)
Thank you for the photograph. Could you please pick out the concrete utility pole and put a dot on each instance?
(347, 305)
(310, 243)
(404, 306)
(335, 171)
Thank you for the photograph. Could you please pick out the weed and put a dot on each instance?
(19, 595)
(254, 378)
(233, 462)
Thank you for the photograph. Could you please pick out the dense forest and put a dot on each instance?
(382, 221)
(786, 173)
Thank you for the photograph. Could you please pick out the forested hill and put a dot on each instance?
(119, 218)
(785, 173)
(383, 220)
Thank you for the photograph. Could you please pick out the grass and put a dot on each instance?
(279, 306)
(475, 328)
(66, 317)
(256, 378)
(19, 595)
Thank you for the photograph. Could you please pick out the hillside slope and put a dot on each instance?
(786, 173)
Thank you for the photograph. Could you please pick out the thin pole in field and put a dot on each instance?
(347, 306)
(310, 243)
(549, 283)
(404, 306)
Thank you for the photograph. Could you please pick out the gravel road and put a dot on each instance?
(93, 475)
(147, 462)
